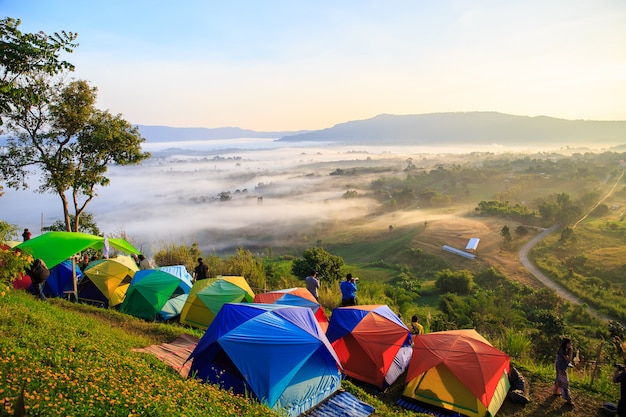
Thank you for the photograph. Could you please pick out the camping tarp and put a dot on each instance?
(149, 291)
(276, 354)
(106, 280)
(207, 296)
(372, 343)
(55, 247)
(295, 297)
(458, 370)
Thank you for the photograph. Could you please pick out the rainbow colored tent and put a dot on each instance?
(295, 297)
(106, 280)
(207, 297)
(273, 353)
(459, 371)
(372, 343)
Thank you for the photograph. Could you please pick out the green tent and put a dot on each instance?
(207, 297)
(55, 247)
(150, 290)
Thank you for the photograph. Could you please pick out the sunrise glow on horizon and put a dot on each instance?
(306, 65)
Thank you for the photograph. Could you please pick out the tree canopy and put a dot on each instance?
(55, 132)
(68, 143)
(24, 55)
(328, 266)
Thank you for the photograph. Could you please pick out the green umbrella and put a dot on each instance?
(55, 247)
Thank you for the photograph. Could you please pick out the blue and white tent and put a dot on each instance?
(274, 353)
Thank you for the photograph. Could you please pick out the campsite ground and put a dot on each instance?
(542, 402)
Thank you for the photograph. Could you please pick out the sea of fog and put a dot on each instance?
(275, 188)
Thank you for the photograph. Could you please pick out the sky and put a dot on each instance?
(305, 65)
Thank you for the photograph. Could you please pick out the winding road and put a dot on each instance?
(561, 292)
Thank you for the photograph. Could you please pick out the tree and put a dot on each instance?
(87, 225)
(179, 254)
(328, 266)
(69, 143)
(506, 233)
(24, 56)
(13, 262)
(458, 282)
(521, 230)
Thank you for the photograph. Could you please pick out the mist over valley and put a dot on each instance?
(254, 192)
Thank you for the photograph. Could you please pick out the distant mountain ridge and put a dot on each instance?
(469, 128)
(167, 134)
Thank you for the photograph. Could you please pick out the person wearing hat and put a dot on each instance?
(313, 284)
(201, 271)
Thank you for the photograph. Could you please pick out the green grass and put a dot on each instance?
(76, 360)
(377, 246)
(598, 280)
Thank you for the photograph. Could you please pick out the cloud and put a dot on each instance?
(175, 196)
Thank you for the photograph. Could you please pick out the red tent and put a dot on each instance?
(295, 297)
(372, 343)
(458, 370)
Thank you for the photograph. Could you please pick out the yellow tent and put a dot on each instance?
(107, 280)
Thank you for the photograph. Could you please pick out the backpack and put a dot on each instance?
(38, 272)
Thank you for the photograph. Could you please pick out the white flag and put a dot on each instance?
(105, 251)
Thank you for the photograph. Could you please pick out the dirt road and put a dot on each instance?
(561, 292)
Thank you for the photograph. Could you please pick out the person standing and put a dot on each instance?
(201, 271)
(416, 327)
(348, 291)
(620, 376)
(562, 364)
(38, 273)
(144, 263)
(26, 235)
(313, 284)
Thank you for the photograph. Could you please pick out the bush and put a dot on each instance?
(458, 282)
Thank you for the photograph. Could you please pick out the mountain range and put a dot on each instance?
(427, 129)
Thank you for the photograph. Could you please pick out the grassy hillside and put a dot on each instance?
(76, 360)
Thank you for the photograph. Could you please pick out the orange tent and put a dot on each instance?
(458, 370)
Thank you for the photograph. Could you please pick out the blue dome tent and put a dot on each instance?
(274, 353)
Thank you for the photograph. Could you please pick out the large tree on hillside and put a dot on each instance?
(27, 55)
(67, 142)
(327, 265)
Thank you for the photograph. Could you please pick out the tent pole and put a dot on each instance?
(74, 278)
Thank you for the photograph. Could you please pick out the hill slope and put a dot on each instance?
(470, 128)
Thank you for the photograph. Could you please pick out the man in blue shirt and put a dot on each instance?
(348, 291)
